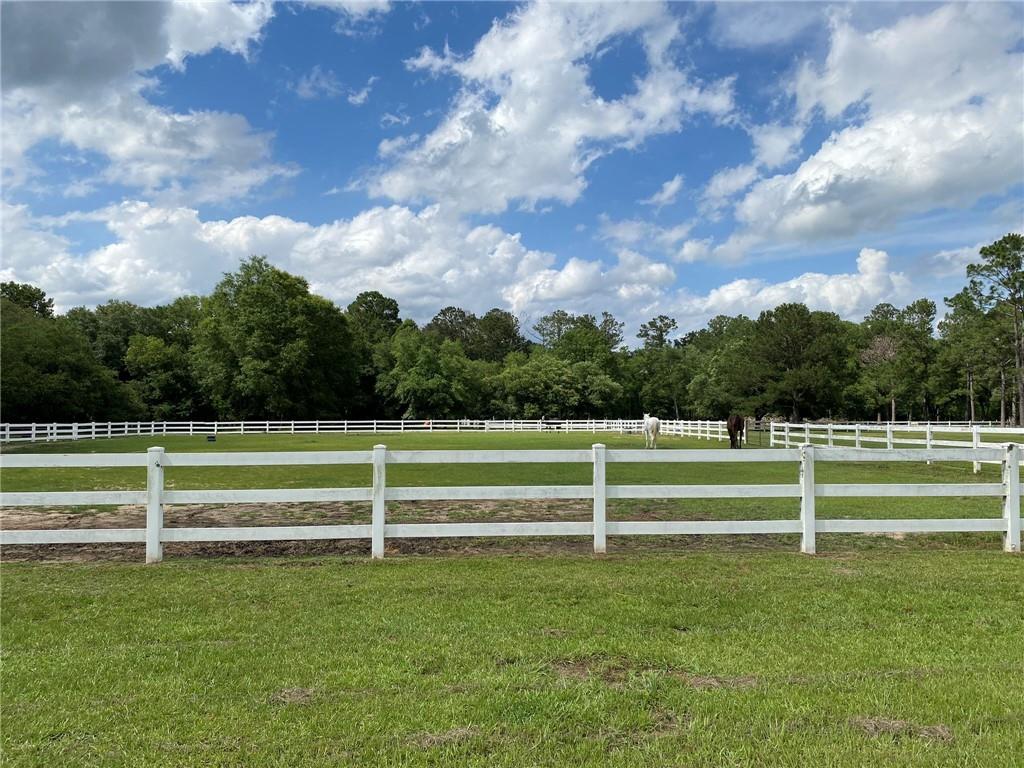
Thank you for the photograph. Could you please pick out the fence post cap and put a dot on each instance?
(156, 449)
(380, 447)
(598, 445)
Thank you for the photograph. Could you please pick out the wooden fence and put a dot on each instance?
(13, 433)
(156, 534)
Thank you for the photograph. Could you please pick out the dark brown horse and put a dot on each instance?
(735, 425)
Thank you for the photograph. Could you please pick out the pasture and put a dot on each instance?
(696, 650)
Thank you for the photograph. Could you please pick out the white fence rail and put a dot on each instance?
(14, 433)
(156, 496)
(892, 435)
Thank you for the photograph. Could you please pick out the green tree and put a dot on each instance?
(267, 348)
(162, 379)
(50, 372)
(373, 319)
(431, 377)
(801, 361)
(28, 296)
(655, 332)
(998, 285)
(498, 335)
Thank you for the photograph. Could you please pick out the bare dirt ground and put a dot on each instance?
(336, 513)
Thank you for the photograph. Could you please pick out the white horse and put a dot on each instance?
(652, 426)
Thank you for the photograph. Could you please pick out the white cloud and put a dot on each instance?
(951, 262)
(526, 123)
(358, 98)
(79, 82)
(426, 259)
(848, 295)
(388, 120)
(197, 27)
(667, 194)
(317, 84)
(940, 123)
(724, 184)
(644, 234)
(776, 144)
(695, 250)
(755, 25)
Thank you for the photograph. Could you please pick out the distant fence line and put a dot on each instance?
(890, 435)
(12, 433)
(156, 534)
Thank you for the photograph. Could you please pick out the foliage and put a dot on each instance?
(50, 373)
(261, 346)
(266, 347)
(27, 296)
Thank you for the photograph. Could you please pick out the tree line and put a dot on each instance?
(262, 346)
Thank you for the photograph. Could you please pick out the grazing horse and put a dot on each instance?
(735, 425)
(652, 426)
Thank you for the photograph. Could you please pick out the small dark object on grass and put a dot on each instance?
(211, 438)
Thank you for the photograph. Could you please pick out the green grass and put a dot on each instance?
(872, 659)
(661, 654)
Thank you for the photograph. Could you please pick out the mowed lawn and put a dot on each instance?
(879, 651)
(711, 659)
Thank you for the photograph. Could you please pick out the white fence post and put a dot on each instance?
(856, 435)
(807, 518)
(976, 440)
(830, 437)
(785, 443)
(380, 453)
(154, 504)
(600, 505)
(888, 435)
(1011, 499)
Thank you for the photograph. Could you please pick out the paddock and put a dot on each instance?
(884, 648)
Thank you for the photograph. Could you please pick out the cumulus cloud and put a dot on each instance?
(939, 123)
(81, 82)
(640, 233)
(723, 185)
(848, 295)
(426, 259)
(526, 123)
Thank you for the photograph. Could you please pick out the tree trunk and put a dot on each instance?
(892, 415)
(1002, 397)
(970, 394)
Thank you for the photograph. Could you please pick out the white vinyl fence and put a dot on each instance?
(155, 534)
(13, 433)
(891, 435)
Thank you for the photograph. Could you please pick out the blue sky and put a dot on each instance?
(681, 159)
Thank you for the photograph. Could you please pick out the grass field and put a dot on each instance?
(705, 651)
(869, 659)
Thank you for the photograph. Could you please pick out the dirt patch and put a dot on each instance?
(608, 671)
(614, 671)
(883, 726)
(340, 513)
(665, 721)
(444, 738)
(706, 682)
(292, 697)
